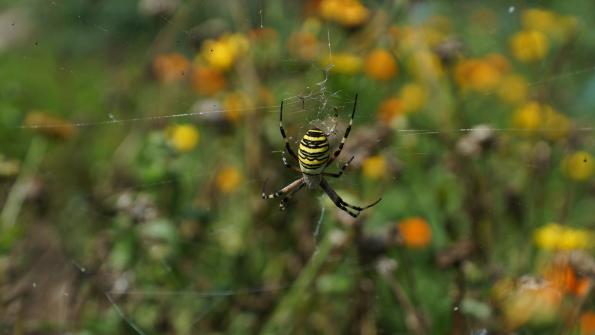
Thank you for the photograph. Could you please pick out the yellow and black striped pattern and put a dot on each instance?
(313, 153)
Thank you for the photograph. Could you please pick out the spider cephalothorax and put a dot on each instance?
(314, 157)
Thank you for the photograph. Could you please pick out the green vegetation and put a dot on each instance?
(136, 138)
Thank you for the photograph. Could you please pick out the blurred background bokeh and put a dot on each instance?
(136, 138)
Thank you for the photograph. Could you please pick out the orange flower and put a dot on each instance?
(527, 300)
(49, 125)
(262, 35)
(207, 81)
(481, 74)
(228, 179)
(499, 62)
(303, 45)
(565, 278)
(265, 97)
(349, 13)
(389, 109)
(531, 302)
(170, 67)
(415, 231)
(588, 323)
(485, 19)
(380, 65)
(235, 104)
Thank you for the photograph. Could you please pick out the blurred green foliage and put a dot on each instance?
(143, 137)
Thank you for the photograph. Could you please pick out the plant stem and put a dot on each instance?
(19, 190)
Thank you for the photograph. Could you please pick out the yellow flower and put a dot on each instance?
(553, 25)
(239, 43)
(528, 116)
(406, 38)
(170, 67)
(534, 117)
(415, 232)
(345, 63)
(183, 137)
(374, 167)
(578, 166)
(223, 52)
(228, 179)
(539, 19)
(349, 13)
(547, 237)
(413, 97)
(436, 30)
(513, 89)
(312, 24)
(421, 38)
(556, 125)
(575, 239)
(9, 167)
(554, 236)
(380, 65)
(425, 65)
(529, 45)
(218, 54)
(207, 81)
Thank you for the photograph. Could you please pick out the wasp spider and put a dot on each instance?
(314, 157)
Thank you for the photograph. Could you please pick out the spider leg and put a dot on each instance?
(339, 202)
(287, 146)
(289, 166)
(347, 131)
(362, 208)
(285, 190)
(288, 196)
(338, 174)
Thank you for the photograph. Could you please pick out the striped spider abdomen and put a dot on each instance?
(314, 152)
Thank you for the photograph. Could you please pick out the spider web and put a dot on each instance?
(316, 103)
